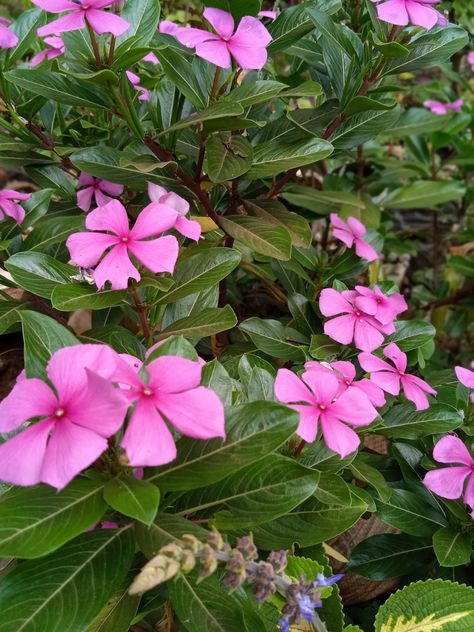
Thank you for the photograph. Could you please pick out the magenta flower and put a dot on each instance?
(54, 49)
(100, 190)
(389, 377)
(135, 81)
(78, 414)
(470, 59)
(448, 482)
(79, 11)
(248, 45)
(321, 403)
(466, 377)
(151, 58)
(9, 204)
(437, 107)
(382, 307)
(168, 27)
(271, 15)
(170, 390)
(187, 227)
(158, 255)
(404, 12)
(354, 325)
(8, 39)
(351, 233)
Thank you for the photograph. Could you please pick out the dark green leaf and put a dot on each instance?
(404, 422)
(143, 17)
(425, 194)
(412, 334)
(38, 273)
(206, 322)
(405, 510)
(72, 296)
(452, 546)
(227, 157)
(133, 497)
(266, 238)
(273, 157)
(272, 337)
(276, 213)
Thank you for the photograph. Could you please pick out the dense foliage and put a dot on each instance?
(236, 249)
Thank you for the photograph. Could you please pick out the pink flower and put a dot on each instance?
(448, 482)
(8, 39)
(171, 390)
(351, 233)
(78, 414)
(271, 15)
(366, 331)
(135, 81)
(321, 402)
(470, 59)
(443, 108)
(187, 227)
(389, 377)
(345, 373)
(97, 189)
(382, 307)
(417, 12)
(55, 49)
(466, 377)
(151, 58)
(80, 11)
(158, 255)
(247, 45)
(168, 27)
(9, 204)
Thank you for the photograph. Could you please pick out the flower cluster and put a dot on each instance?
(89, 391)
(404, 12)
(10, 204)
(439, 108)
(352, 233)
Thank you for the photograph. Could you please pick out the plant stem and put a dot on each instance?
(110, 58)
(95, 45)
(142, 315)
(215, 84)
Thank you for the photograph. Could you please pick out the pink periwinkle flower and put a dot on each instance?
(416, 12)
(437, 107)
(466, 377)
(248, 45)
(158, 255)
(8, 38)
(389, 377)
(470, 59)
(79, 412)
(79, 11)
(171, 390)
(55, 48)
(315, 397)
(187, 227)
(385, 308)
(168, 27)
(345, 373)
(151, 58)
(9, 204)
(351, 233)
(100, 190)
(271, 15)
(448, 482)
(354, 324)
(135, 81)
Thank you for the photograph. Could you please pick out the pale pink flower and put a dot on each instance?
(470, 59)
(151, 58)
(437, 107)
(389, 377)
(80, 11)
(404, 12)
(170, 391)
(248, 45)
(187, 227)
(385, 308)
(158, 255)
(448, 482)
(168, 27)
(271, 15)
(321, 403)
(345, 373)
(354, 324)
(9, 204)
(351, 233)
(466, 377)
(100, 190)
(135, 81)
(78, 414)
(55, 48)
(8, 38)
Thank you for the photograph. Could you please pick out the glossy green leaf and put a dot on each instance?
(363, 104)
(220, 109)
(227, 157)
(256, 92)
(273, 157)
(407, 511)
(362, 471)
(133, 497)
(276, 213)
(52, 231)
(143, 17)
(412, 334)
(206, 322)
(452, 546)
(167, 529)
(266, 238)
(38, 273)
(425, 194)
(9, 314)
(363, 127)
(237, 9)
(322, 202)
(404, 422)
(72, 296)
(179, 70)
(25, 27)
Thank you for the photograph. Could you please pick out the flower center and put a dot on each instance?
(322, 407)
(124, 240)
(348, 382)
(59, 412)
(147, 392)
(357, 313)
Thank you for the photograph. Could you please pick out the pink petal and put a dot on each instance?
(126, 371)
(191, 37)
(354, 407)
(111, 188)
(101, 199)
(357, 228)
(56, 6)
(456, 106)
(168, 27)
(158, 255)
(338, 437)
(346, 369)
(389, 382)
(132, 77)
(337, 222)
(147, 440)
(421, 14)
(221, 21)
(332, 302)
(172, 374)
(366, 336)
(367, 304)
(10, 194)
(84, 198)
(365, 250)
(373, 392)
(450, 449)
(154, 219)
(84, 178)
(188, 227)
(345, 236)
(29, 398)
(469, 493)
(155, 192)
(8, 39)
(36, 59)
(393, 12)
(246, 57)
(397, 356)
(21, 457)
(13, 210)
(87, 248)
(251, 34)
(465, 376)
(324, 385)
(447, 482)
(116, 267)
(196, 413)
(290, 389)
(176, 201)
(112, 217)
(371, 363)
(215, 52)
(71, 22)
(308, 426)
(107, 22)
(271, 15)
(151, 58)
(414, 389)
(341, 329)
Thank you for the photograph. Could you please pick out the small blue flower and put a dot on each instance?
(323, 581)
(307, 607)
(284, 624)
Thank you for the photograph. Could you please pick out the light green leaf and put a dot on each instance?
(227, 157)
(143, 17)
(425, 194)
(51, 232)
(272, 337)
(179, 70)
(266, 238)
(363, 127)
(220, 109)
(255, 92)
(133, 497)
(9, 314)
(412, 334)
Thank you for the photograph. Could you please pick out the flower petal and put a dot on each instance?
(71, 22)
(337, 436)
(465, 376)
(56, 6)
(372, 363)
(366, 336)
(112, 217)
(107, 22)
(414, 389)
(84, 198)
(158, 255)
(251, 34)
(153, 220)
(447, 482)
(191, 37)
(308, 426)
(387, 381)
(393, 12)
(421, 15)
(221, 21)
(8, 39)
(111, 187)
(248, 58)
(365, 250)
(117, 268)
(341, 328)
(323, 384)
(21, 457)
(396, 355)
(172, 374)
(87, 248)
(450, 449)
(354, 407)
(215, 52)
(188, 227)
(196, 413)
(373, 392)
(332, 303)
(29, 398)
(289, 388)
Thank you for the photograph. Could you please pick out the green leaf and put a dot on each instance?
(308, 88)
(201, 270)
(52, 231)
(227, 157)
(404, 422)
(323, 202)
(219, 109)
(428, 606)
(54, 593)
(272, 337)
(37, 520)
(252, 431)
(333, 490)
(276, 213)
(463, 265)
(452, 546)
(180, 71)
(412, 334)
(119, 612)
(388, 555)
(72, 296)
(425, 194)
(255, 92)
(166, 529)
(143, 17)
(391, 50)
(407, 511)
(238, 9)
(417, 121)
(206, 322)
(363, 127)
(273, 157)
(9, 314)
(362, 104)
(259, 235)
(25, 26)
(362, 471)
(133, 497)
(38, 273)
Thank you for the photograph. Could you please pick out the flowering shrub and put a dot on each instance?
(236, 255)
